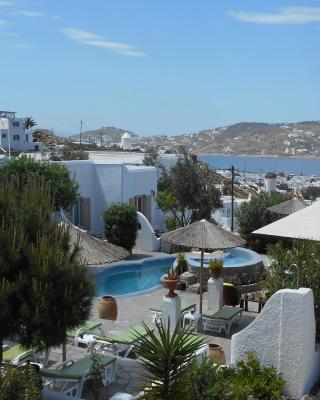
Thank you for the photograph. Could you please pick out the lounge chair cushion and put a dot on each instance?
(77, 369)
(128, 337)
(226, 313)
(87, 326)
(13, 352)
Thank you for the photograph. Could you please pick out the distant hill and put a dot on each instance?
(245, 138)
(109, 134)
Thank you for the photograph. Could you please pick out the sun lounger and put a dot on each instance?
(120, 344)
(87, 327)
(222, 319)
(16, 354)
(185, 308)
(69, 376)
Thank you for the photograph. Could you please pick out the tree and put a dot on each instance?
(44, 290)
(166, 358)
(120, 225)
(29, 123)
(64, 190)
(151, 156)
(306, 256)
(254, 214)
(192, 185)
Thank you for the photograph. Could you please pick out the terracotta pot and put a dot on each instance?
(216, 353)
(107, 308)
(215, 273)
(171, 284)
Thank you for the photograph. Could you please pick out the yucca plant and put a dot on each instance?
(166, 359)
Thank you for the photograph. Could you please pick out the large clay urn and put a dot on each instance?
(108, 308)
(216, 353)
(170, 284)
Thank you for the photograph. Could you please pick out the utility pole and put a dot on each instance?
(81, 134)
(232, 181)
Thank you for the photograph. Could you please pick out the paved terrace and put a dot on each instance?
(131, 311)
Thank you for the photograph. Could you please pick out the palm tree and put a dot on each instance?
(29, 122)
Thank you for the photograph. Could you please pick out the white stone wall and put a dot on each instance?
(283, 335)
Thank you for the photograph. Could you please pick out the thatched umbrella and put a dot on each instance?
(94, 251)
(203, 235)
(288, 207)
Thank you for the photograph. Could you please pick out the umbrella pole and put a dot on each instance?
(201, 281)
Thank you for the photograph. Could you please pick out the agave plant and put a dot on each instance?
(166, 358)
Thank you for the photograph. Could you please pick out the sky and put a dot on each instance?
(159, 66)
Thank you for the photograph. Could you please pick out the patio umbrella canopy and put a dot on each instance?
(288, 207)
(203, 235)
(95, 251)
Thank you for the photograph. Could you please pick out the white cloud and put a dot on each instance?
(6, 3)
(3, 23)
(91, 39)
(21, 46)
(285, 15)
(9, 34)
(32, 14)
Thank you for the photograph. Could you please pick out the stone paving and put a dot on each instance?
(131, 311)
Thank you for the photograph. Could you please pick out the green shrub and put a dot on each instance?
(206, 381)
(171, 223)
(216, 265)
(306, 255)
(120, 225)
(247, 378)
(20, 383)
(182, 265)
(63, 189)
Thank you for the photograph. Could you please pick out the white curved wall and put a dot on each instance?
(146, 239)
(271, 185)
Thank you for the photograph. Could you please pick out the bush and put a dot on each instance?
(20, 383)
(255, 214)
(63, 189)
(306, 255)
(120, 225)
(246, 378)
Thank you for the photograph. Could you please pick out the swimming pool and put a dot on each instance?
(132, 277)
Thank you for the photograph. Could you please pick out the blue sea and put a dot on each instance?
(296, 166)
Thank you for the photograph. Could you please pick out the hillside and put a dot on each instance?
(245, 138)
(108, 135)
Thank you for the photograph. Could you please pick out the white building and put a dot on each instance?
(102, 183)
(13, 135)
(126, 141)
(270, 182)
(223, 215)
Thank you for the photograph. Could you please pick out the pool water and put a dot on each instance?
(131, 277)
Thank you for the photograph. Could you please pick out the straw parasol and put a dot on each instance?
(94, 251)
(288, 207)
(203, 235)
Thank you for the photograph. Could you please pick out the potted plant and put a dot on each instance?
(182, 265)
(170, 281)
(215, 268)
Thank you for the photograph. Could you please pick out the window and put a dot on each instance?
(16, 137)
(81, 213)
(27, 138)
(15, 124)
(4, 135)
